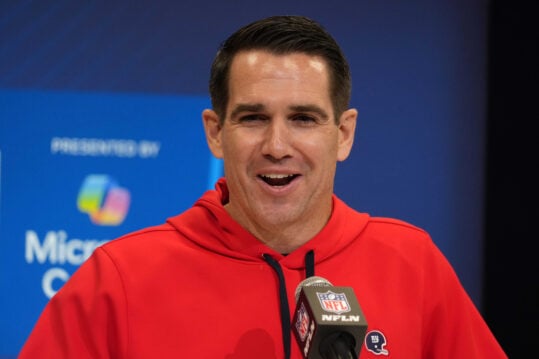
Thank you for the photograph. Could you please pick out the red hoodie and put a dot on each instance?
(201, 286)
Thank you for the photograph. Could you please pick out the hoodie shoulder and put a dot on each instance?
(397, 225)
(144, 234)
(390, 235)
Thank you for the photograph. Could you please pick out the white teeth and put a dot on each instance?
(276, 176)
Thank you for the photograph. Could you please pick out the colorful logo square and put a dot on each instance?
(103, 200)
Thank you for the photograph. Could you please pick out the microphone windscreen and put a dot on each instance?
(313, 281)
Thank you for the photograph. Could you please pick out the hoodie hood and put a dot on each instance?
(230, 239)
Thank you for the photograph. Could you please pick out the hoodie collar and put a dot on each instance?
(228, 237)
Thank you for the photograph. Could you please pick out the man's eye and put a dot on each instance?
(304, 118)
(251, 118)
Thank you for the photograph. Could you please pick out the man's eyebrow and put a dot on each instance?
(310, 108)
(246, 107)
(257, 107)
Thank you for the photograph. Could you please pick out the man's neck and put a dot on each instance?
(283, 237)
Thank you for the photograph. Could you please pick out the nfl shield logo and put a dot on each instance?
(333, 302)
(302, 322)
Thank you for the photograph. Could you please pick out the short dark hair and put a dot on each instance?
(282, 35)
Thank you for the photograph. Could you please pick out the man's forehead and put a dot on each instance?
(254, 56)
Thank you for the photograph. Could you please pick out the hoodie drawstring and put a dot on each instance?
(283, 297)
(283, 300)
(309, 264)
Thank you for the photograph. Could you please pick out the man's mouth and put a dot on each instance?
(278, 179)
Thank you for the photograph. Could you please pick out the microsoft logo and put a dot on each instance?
(104, 200)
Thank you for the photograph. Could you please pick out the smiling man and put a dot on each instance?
(219, 280)
(280, 141)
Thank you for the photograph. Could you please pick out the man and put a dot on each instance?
(218, 281)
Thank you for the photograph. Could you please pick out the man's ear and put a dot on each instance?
(347, 130)
(212, 128)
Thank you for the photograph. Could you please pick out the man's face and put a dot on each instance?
(279, 140)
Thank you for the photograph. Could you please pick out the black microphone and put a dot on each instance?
(328, 322)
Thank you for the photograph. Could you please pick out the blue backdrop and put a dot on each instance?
(101, 133)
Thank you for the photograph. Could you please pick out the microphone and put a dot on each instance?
(328, 322)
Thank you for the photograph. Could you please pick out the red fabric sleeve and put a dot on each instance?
(453, 326)
(86, 318)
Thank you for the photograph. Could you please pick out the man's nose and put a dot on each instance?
(277, 139)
